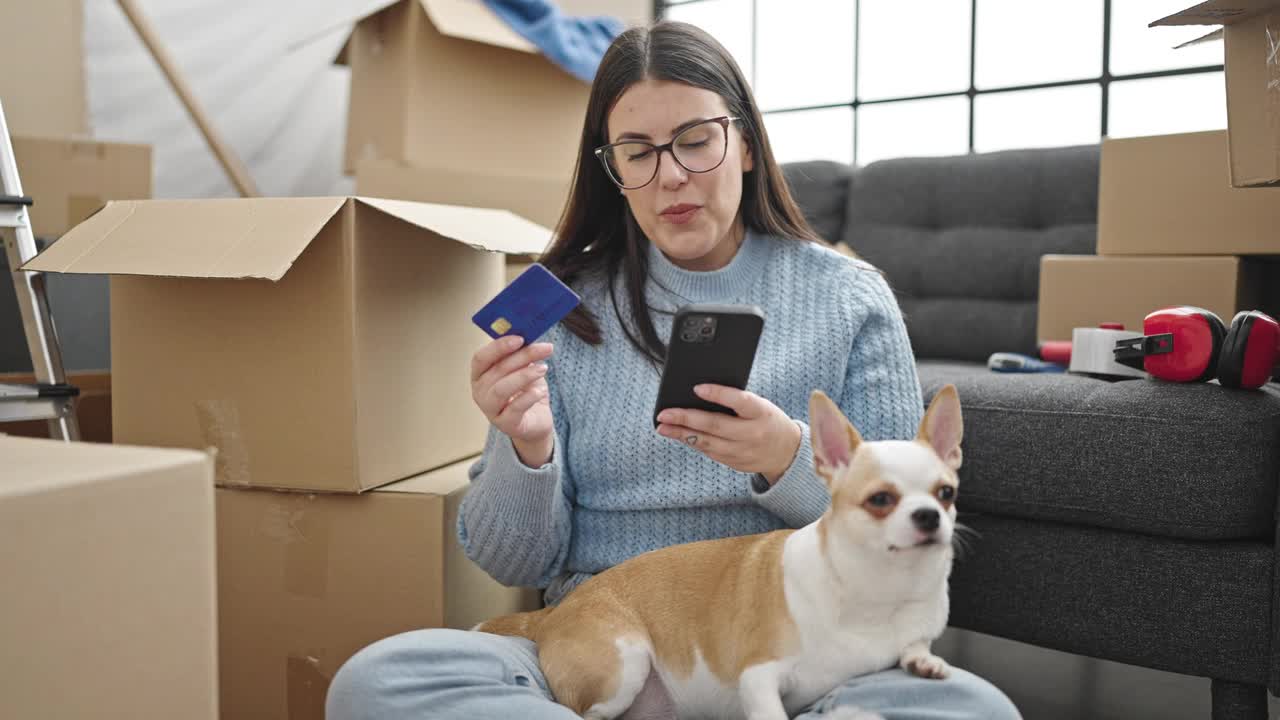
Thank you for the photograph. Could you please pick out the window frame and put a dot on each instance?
(1105, 80)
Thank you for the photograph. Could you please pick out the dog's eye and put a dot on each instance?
(881, 499)
(946, 493)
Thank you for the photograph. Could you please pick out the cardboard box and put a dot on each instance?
(447, 84)
(108, 566)
(540, 198)
(1170, 195)
(517, 265)
(1252, 74)
(306, 580)
(43, 85)
(69, 180)
(318, 343)
(1087, 290)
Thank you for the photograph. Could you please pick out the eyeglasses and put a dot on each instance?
(699, 148)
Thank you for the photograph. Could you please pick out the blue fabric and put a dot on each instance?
(574, 43)
(457, 675)
(615, 488)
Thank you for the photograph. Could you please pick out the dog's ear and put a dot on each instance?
(943, 427)
(832, 435)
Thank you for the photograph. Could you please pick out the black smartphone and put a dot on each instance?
(709, 344)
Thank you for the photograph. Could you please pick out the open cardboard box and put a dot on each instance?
(1250, 29)
(446, 83)
(318, 343)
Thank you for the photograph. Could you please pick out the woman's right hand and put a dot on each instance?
(509, 385)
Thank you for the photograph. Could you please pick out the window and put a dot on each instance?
(862, 80)
(807, 134)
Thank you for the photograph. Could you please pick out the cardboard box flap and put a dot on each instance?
(309, 33)
(1218, 12)
(223, 238)
(1210, 37)
(437, 482)
(465, 19)
(472, 20)
(481, 228)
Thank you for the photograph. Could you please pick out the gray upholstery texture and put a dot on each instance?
(1195, 461)
(960, 239)
(1187, 606)
(821, 189)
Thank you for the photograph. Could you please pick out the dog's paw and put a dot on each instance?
(927, 665)
(848, 713)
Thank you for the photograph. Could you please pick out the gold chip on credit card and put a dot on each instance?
(500, 325)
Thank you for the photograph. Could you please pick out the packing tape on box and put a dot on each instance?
(219, 422)
(305, 687)
(302, 533)
(1093, 352)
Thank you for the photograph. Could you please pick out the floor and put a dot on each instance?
(1049, 685)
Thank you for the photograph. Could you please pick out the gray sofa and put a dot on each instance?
(1133, 521)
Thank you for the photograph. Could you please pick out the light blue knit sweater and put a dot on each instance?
(615, 488)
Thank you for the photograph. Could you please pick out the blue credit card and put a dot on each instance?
(528, 307)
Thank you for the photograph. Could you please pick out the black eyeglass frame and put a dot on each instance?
(601, 152)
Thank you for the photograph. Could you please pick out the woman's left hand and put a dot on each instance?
(761, 439)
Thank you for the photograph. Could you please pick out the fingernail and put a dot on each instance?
(541, 369)
(545, 347)
(513, 341)
(700, 389)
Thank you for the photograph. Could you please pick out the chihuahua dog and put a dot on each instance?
(762, 626)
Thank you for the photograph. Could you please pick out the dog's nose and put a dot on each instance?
(926, 519)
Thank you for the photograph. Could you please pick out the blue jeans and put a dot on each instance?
(457, 675)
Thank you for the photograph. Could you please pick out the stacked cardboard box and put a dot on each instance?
(450, 105)
(68, 176)
(1171, 231)
(51, 100)
(321, 346)
(109, 604)
(305, 580)
(1249, 31)
(1186, 219)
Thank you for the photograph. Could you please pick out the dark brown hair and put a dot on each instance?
(597, 233)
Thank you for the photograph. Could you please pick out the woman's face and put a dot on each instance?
(692, 217)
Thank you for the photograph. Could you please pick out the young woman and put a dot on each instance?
(677, 199)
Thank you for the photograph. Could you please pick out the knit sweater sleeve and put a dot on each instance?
(881, 395)
(515, 521)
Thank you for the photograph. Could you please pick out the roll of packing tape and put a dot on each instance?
(1093, 352)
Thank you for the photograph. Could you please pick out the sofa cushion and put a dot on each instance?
(960, 239)
(1186, 606)
(821, 189)
(1195, 461)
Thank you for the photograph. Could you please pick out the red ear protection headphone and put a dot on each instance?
(1191, 344)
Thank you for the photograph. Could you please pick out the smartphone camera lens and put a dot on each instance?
(699, 329)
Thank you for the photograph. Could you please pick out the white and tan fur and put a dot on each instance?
(761, 626)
